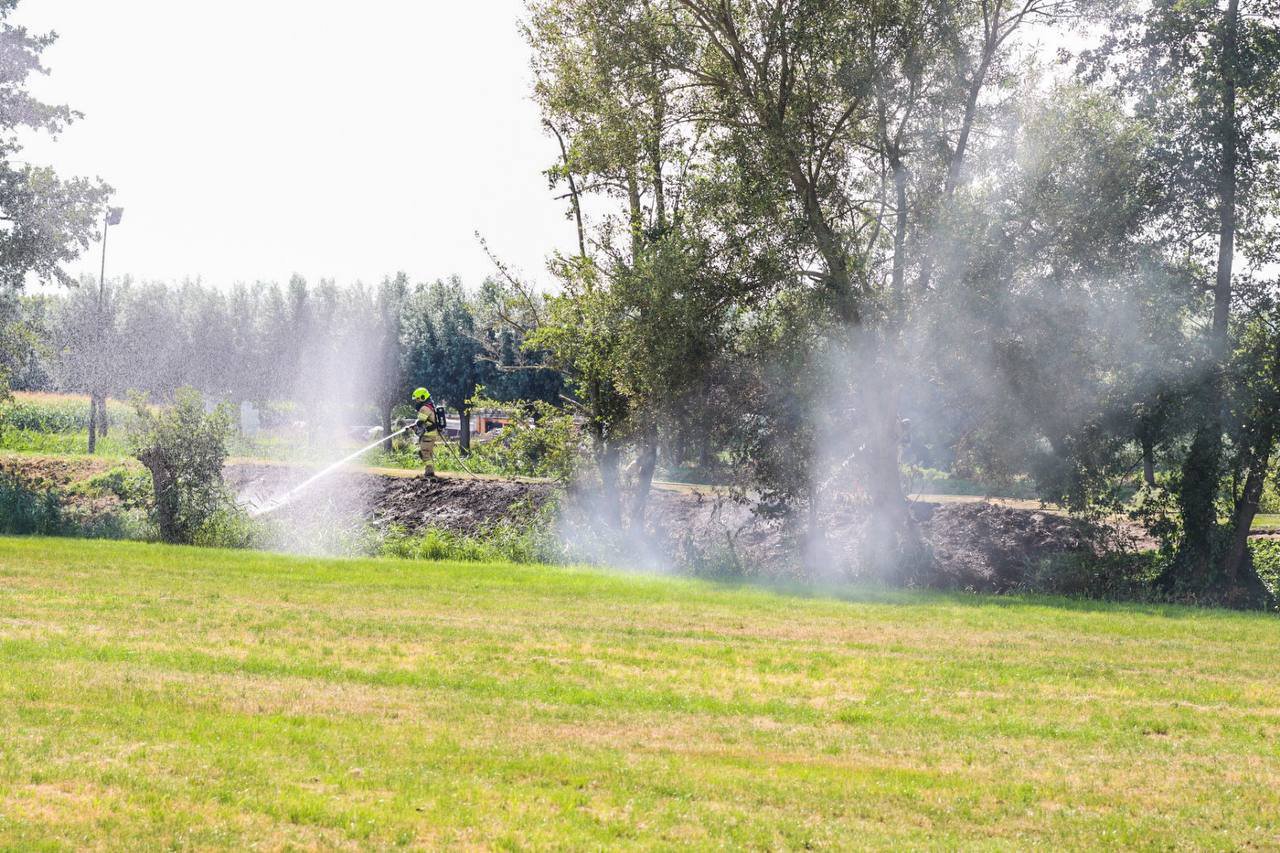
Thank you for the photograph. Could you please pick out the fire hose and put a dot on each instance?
(453, 446)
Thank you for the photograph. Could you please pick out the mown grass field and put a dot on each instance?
(154, 697)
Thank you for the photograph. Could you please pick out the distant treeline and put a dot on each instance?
(336, 351)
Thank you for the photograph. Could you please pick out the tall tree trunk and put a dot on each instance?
(899, 231)
(1236, 570)
(1246, 509)
(1229, 140)
(893, 547)
(1194, 570)
(955, 168)
(93, 423)
(1148, 459)
(606, 455)
(1197, 497)
(897, 541)
(839, 279)
(644, 478)
(103, 422)
(655, 159)
(165, 487)
(636, 215)
(464, 431)
(705, 454)
(574, 198)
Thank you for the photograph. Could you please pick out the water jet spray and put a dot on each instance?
(287, 497)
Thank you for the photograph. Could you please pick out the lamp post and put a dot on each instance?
(97, 403)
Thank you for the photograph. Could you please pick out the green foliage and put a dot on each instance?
(581, 337)
(440, 347)
(533, 542)
(184, 449)
(1156, 511)
(28, 508)
(50, 221)
(56, 413)
(61, 443)
(25, 510)
(227, 527)
(540, 441)
(921, 480)
(129, 485)
(1124, 576)
(1266, 561)
(1270, 502)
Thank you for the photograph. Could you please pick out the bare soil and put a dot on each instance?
(411, 504)
(47, 472)
(975, 545)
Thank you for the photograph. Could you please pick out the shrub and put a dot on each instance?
(531, 542)
(24, 510)
(228, 527)
(131, 486)
(184, 449)
(1116, 576)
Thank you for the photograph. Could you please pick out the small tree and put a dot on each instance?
(184, 449)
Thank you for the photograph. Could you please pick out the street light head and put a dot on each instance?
(114, 214)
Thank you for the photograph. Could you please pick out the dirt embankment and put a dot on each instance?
(50, 472)
(974, 545)
(412, 504)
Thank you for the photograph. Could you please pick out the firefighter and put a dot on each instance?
(427, 429)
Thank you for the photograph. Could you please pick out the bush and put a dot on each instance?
(184, 449)
(228, 527)
(1120, 576)
(534, 541)
(131, 486)
(24, 510)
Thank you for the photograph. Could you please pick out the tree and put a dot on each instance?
(1206, 79)
(184, 449)
(49, 221)
(579, 335)
(84, 333)
(387, 376)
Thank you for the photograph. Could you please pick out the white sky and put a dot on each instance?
(251, 139)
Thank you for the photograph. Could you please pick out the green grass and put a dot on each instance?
(61, 443)
(159, 697)
(115, 444)
(1266, 520)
